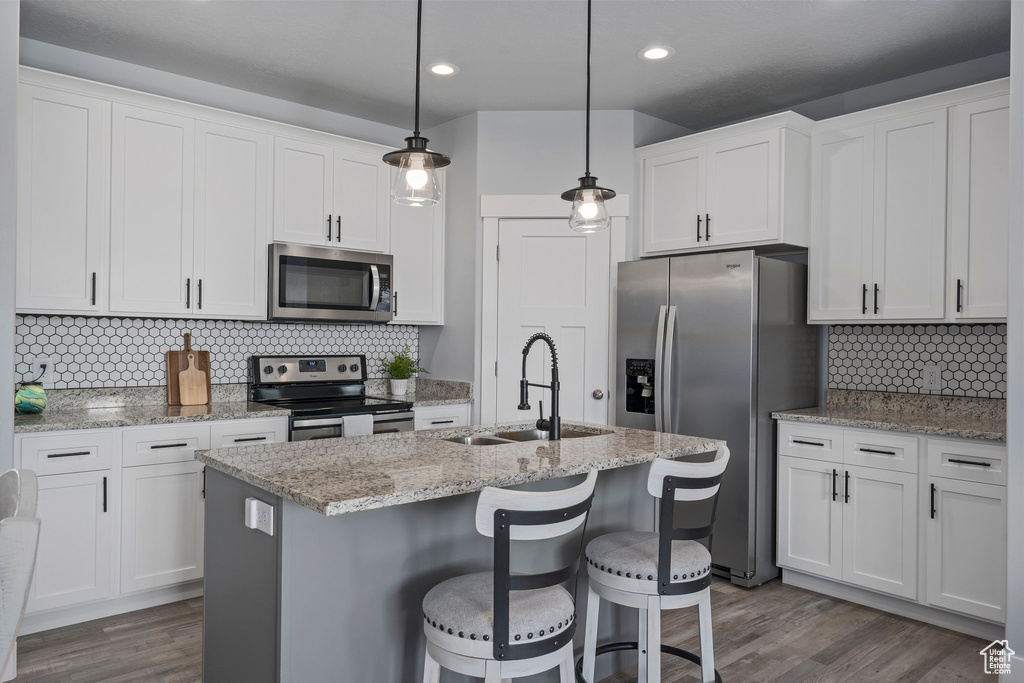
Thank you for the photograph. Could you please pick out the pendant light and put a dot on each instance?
(589, 213)
(416, 181)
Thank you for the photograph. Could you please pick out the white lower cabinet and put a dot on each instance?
(162, 525)
(76, 540)
(861, 525)
(438, 417)
(966, 555)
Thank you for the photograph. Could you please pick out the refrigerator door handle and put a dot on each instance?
(666, 375)
(659, 350)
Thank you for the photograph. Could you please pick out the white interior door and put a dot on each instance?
(555, 281)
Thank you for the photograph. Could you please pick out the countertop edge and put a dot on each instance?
(119, 422)
(910, 428)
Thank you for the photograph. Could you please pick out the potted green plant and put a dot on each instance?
(400, 368)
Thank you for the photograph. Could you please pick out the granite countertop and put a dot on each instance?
(338, 476)
(136, 415)
(424, 391)
(956, 417)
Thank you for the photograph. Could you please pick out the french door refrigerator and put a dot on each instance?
(709, 345)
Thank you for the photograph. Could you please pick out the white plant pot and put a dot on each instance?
(399, 387)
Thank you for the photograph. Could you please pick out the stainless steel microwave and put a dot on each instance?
(320, 284)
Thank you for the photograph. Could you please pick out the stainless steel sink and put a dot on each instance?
(539, 434)
(478, 440)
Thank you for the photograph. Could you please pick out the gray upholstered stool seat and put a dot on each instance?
(634, 555)
(462, 607)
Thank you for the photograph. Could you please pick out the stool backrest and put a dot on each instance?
(674, 480)
(19, 492)
(526, 516)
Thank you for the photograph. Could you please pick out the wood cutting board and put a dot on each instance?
(178, 363)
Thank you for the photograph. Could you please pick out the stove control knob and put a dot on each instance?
(267, 370)
(353, 368)
(342, 368)
(281, 369)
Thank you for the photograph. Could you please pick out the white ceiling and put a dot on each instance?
(734, 58)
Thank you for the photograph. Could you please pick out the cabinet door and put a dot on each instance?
(361, 200)
(675, 189)
(151, 212)
(909, 245)
(303, 183)
(880, 530)
(967, 548)
(63, 153)
(74, 563)
(810, 528)
(417, 244)
(842, 196)
(743, 188)
(162, 525)
(231, 225)
(979, 205)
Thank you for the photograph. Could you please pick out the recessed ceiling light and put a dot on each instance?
(442, 69)
(656, 52)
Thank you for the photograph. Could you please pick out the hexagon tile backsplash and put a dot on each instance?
(125, 352)
(891, 358)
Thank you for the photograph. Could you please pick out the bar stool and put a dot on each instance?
(19, 539)
(499, 625)
(652, 571)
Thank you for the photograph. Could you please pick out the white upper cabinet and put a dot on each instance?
(879, 223)
(417, 243)
(231, 221)
(303, 192)
(333, 196)
(742, 185)
(63, 158)
(361, 200)
(151, 212)
(979, 203)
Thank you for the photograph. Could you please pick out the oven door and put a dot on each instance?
(328, 285)
(308, 429)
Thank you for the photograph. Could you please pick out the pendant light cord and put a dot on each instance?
(419, 35)
(588, 84)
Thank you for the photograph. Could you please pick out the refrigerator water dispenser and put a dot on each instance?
(640, 386)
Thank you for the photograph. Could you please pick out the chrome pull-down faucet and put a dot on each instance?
(555, 422)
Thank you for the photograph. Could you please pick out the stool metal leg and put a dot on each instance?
(492, 672)
(590, 636)
(707, 641)
(653, 640)
(566, 672)
(431, 669)
(641, 647)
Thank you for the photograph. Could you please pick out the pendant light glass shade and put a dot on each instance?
(415, 183)
(589, 213)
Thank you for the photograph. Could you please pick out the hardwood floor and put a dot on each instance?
(773, 633)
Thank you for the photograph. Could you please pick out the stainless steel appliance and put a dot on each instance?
(320, 284)
(710, 345)
(322, 392)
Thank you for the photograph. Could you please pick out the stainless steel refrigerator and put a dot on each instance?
(710, 345)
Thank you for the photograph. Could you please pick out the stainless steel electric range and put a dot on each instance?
(320, 392)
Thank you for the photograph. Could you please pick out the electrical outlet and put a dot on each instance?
(931, 378)
(41, 371)
(259, 516)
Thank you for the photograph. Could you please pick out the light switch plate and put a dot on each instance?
(259, 516)
(931, 378)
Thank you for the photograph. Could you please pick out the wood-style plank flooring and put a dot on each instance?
(772, 633)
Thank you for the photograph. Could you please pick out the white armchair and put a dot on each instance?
(19, 539)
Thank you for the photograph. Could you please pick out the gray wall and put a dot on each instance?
(126, 75)
(1015, 351)
(9, 12)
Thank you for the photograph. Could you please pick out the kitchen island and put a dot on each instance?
(364, 526)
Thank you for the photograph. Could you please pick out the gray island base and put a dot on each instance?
(365, 526)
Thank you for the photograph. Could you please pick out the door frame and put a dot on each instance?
(494, 209)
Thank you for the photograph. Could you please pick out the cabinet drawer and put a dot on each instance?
(155, 445)
(804, 440)
(438, 417)
(967, 461)
(248, 432)
(66, 452)
(880, 449)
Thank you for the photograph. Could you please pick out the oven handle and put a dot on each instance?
(375, 298)
(319, 422)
